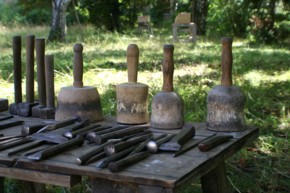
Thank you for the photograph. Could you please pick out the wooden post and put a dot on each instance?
(216, 180)
(1, 184)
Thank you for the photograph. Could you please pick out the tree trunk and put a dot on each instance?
(199, 14)
(58, 21)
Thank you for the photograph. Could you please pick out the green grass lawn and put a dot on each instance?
(262, 72)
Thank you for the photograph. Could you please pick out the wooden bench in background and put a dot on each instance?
(183, 22)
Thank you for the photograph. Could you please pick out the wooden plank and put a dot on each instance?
(216, 180)
(40, 177)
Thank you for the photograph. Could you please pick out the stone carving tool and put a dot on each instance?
(225, 103)
(48, 112)
(2, 118)
(132, 97)
(17, 75)
(24, 109)
(153, 146)
(121, 133)
(167, 105)
(41, 86)
(84, 131)
(127, 161)
(213, 142)
(190, 144)
(176, 143)
(115, 148)
(80, 100)
(104, 163)
(10, 124)
(55, 149)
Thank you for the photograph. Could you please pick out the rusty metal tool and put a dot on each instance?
(104, 163)
(82, 159)
(31, 128)
(6, 117)
(92, 135)
(115, 148)
(10, 124)
(213, 142)
(27, 146)
(15, 143)
(127, 161)
(17, 75)
(176, 143)
(55, 149)
(153, 146)
(83, 131)
(191, 144)
(142, 146)
(123, 132)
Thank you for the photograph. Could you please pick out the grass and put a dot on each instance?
(261, 71)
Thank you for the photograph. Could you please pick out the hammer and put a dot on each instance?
(24, 109)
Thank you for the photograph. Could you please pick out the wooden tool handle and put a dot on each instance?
(40, 52)
(132, 62)
(168, 68)
(78, 66)
(17, 68)
(227, 61)
(49, 80)
(30, 68)
(213, 142)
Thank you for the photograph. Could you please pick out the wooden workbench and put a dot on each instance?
(158, 173)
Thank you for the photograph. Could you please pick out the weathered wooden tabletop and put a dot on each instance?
(161, 169)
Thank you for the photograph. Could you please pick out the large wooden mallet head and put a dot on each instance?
(78, 100)
(167, 105)
(225, 103)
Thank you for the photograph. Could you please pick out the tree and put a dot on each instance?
(58, 20)
(199, 14)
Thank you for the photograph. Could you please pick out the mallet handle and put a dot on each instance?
(132, 62)
(17, 68)
(78, 66)
(227, 61)
(49, 80)
(30, 68)
(168, 68)
(40, 49)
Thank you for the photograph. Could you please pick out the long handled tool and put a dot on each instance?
(54, 150)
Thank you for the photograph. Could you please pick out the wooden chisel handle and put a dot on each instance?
(49, 80)
(17, 68)
(168, 68)
(132, 62)
(30, 68)
(78, 66)
(40, 52)
(227, 61)
(213, 142)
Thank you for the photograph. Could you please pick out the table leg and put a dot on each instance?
(32, 187)
(216, 180)
(1, 184)
(101, 186)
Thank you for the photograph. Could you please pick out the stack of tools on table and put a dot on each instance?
(134, 137)
(44, 107)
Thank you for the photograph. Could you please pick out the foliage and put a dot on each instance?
(262, 72)
(10, 14)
